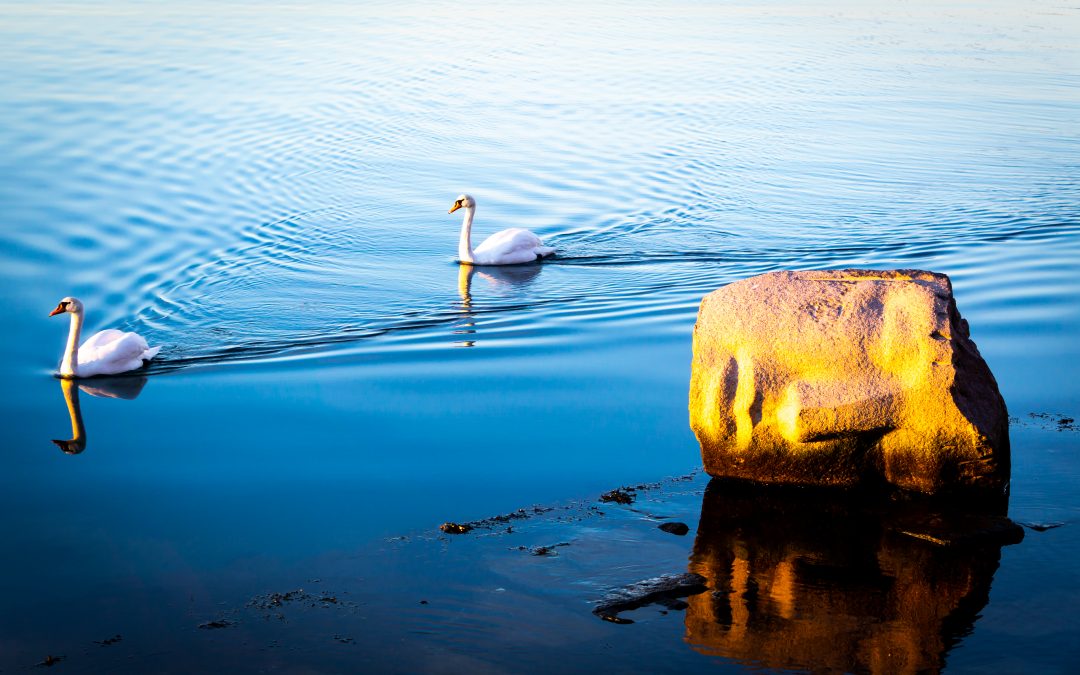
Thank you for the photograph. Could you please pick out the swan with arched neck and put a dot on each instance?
(509, 247)
(107, 352)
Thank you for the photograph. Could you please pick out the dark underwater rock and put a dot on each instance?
(665, 590)
(674, 528)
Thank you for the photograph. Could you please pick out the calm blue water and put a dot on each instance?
(263, 192)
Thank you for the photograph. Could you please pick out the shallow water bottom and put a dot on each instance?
(148, 565)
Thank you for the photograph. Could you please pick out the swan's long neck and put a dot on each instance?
(69, 367)
(464, 249)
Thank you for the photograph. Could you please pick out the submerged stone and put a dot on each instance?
(837, 377)
(216, 623)
(665, 590)
(962, 530)
(619, 496)
(674, 528)
(1043, 527)
(456, 528)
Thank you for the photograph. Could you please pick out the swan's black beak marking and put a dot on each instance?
(60, 309)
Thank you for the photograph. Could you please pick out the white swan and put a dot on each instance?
(106, 353)
(509, 247)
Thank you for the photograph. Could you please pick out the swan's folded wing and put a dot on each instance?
(508, 241)
(121, 349)
(101, 338)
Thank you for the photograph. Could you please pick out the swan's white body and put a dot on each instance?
(107, 352)
(509, 247)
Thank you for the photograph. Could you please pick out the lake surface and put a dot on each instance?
(263, 192)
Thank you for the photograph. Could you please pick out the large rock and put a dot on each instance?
(838, 376)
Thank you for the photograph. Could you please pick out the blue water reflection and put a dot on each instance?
(263, 190)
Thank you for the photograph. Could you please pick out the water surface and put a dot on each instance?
(263, 191)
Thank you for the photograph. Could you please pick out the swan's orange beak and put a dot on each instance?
(59, 310)
(455, 207)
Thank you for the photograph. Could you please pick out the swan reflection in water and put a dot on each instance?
(112, 387)
(502, 280)
(826, 585)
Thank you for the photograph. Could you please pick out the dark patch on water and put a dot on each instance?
(623, 495)
(1046, 420)
(675, 528)
(216, 624)
(1042, 527)
(666, 590)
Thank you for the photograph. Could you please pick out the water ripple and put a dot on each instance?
(251, 185)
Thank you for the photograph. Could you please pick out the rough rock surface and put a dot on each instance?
(836, 377)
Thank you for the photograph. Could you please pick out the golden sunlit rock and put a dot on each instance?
(837, 376)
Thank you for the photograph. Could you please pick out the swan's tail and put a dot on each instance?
(543, 251)
(150, 353)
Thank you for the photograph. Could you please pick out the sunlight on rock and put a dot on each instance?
(837, 376)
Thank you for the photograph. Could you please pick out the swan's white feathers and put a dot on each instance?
(99, 339)
(112, 351)
(510, 247)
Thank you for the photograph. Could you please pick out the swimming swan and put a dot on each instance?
(106, 353)
(509, 247)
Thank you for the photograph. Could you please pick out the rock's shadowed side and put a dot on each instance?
(838, 376)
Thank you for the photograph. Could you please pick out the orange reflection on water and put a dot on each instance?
(127, 388)
(826, 585)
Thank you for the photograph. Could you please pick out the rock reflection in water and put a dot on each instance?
(106, 387)
(827, 583)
